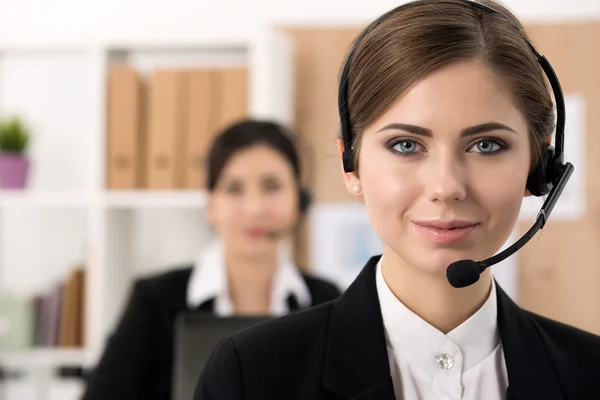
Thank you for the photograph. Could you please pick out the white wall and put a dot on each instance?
(82, 20)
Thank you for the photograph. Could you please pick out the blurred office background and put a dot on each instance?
(120, 99)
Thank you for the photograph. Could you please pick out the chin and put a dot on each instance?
(435, 268)
(258, 247)
(436, 261)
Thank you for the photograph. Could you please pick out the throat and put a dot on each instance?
(433, 299)
(250, 283)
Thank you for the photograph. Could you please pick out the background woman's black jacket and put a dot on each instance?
(338, 351)
(137, 362)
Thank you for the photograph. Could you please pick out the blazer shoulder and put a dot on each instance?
(295, 332)
(564, 335)
(320, 289)
(288, 351)
(166, 285)
(574, 352)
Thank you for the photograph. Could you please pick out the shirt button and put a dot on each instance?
(445, 361)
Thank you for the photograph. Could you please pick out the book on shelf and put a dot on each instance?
(55, 318)
(160, 127)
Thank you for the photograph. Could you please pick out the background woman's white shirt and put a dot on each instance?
(209, 281)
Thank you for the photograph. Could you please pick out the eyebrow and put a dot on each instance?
(470, 131)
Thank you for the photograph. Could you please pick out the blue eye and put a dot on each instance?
(488, 146)
(405, 146)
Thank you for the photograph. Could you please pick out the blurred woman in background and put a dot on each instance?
(255, 201)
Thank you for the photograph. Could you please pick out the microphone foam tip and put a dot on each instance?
(463, 273)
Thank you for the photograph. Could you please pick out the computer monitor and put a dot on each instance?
(196, 333)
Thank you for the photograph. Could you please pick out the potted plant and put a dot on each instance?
(14, 165)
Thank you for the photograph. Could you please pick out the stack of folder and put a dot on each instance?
(159, 127)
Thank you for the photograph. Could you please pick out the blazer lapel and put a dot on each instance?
(530, 374)
(356, 362)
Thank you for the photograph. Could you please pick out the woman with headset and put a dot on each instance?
(254, 203)
(446, 124)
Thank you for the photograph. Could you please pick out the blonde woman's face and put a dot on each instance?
(443, 171)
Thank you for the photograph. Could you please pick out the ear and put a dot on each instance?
(351, 179)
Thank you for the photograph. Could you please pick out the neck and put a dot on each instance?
(250, 281)
(432, 297)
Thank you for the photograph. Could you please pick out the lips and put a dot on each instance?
(256, 232)
(445, 232)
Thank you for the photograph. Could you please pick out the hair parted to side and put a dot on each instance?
(426, 35)
(248, 133)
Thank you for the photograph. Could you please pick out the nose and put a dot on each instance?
(254, 203)
(445, 180)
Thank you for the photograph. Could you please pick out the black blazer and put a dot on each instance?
(338, 351)
(137, 362)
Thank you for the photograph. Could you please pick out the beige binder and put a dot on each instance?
(199, 131)
(231, 96)
(124, 128)
(166, 129)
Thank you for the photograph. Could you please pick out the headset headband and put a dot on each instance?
(347, 137)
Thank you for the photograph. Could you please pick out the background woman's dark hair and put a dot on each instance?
(425, 36)
(247, 133)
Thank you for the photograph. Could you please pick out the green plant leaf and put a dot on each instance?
(14, 135)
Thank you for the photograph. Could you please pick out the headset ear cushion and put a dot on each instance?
(305, 200)
(539, 181)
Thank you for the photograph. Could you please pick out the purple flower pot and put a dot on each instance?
(14, 170)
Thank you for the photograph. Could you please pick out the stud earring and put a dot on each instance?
(357, 189)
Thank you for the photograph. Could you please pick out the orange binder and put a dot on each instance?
(231, 96)
(124, 128)
(199, 131)
(166, 130)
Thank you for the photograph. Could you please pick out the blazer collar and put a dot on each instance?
(357, 365)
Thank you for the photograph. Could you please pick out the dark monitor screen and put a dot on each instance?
(196, 333)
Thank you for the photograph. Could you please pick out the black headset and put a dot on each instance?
(551, 165)
(304, 200)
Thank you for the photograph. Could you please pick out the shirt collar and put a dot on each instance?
(209, 281)
(419, 343)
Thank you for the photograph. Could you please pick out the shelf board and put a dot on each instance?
(135, 199)
(43, 357)
(26, 198)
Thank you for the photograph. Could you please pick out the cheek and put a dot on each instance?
(388, 190)
(500, 193)
(225, 211)
(285, 207)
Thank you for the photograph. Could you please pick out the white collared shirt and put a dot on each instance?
(426, 364)
(209, 281)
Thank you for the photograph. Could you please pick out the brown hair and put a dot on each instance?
(424, 36)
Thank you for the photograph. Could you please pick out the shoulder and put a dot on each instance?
(567, 338)
(279, 350)
(321, 290)
(166, 285)
(305, 326)
(574, 353)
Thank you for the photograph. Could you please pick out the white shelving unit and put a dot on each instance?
(66, 216)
